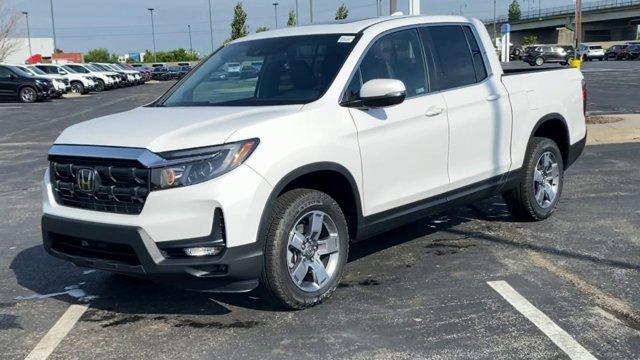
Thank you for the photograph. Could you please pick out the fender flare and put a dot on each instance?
(301, 171)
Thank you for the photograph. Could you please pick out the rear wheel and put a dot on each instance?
(537, 195)
(305, 250)
(28, 95)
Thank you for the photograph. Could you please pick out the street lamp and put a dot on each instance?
(297, 16)
(275, 7)
(26, 15)
(311, 11)
(153, 33)
(53, 26)
(190, 42)
(211, 25)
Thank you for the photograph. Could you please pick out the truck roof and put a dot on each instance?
(355, 26)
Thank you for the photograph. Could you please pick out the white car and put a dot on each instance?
(102, 80)
(132, 77)
(348, 130)
(60, 83)
(590, 52)
(233, 68)
(80, 83)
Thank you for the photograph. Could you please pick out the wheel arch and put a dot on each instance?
(329, 177)
(554, 126)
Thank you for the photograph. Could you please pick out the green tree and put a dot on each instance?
(529, 40)
(292, 21)
(98, 55)
(179, 54)
(238, 24)
(148, 57)
(262, 29)
(342, 12)
(514, 10)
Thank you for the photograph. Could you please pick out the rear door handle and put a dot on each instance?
(493, 97)
(433, 112)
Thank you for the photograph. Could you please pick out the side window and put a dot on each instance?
(478, 61)
(454, 63)
(397, 56)
(353, 90)
(4, 73)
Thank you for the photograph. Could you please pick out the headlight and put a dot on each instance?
(193, 166)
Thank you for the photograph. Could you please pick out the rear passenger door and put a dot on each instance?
(403, 147)
(478, 107)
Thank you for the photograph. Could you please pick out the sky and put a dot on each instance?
(124, 26)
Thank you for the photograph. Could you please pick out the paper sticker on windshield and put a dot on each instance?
(346, 39)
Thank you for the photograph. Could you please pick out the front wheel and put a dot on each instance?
(77, 87)
(305, 250)
(28, 95)
(539, 61)
(537, 195)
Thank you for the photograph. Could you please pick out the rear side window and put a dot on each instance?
(4, 73)
(476, 54)
(454, 62)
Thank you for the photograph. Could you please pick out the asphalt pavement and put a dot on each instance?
(428, 290)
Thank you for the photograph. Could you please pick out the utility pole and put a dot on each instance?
(190, 42)
(26, 15)
(153, 33)
(578, 28)
(53, 26)
(275, 7)
(393, 6)
(378, 8)
(297, 16)
(211, 25)
(311, 11)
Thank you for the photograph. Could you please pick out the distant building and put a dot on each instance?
(42, 46)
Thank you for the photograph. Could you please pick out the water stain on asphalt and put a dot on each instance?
(8, 322)
(217, 325)
(124, 320)
(440, 249)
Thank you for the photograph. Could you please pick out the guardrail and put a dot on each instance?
(568, 10)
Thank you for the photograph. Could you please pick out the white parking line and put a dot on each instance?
(55, 335)
(559, 337)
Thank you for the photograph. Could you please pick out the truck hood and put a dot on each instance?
(170, 128)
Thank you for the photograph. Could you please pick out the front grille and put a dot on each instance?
(86, 248)
(118, 186)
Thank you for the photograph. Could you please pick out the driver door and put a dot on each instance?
(403, 147)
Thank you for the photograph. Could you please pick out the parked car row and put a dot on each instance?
(30, 83)
(628, 51)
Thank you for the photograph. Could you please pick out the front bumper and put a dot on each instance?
(130, 250)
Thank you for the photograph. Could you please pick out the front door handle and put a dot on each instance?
(493, 97)
(433, 112)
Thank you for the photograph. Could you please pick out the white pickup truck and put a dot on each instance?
(347, 130)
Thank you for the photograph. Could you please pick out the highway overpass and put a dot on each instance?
(603, 21)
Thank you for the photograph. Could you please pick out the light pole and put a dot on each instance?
(275, 7)
(190, 42)
(153, 33)
(211, 25)
(495, 34)
(393, 6)
(53, 26)
(297, 16)
(26, 15)
(311, 11)
(578, 27)
(378, 8)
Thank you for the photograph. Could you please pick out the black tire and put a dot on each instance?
(77, 87)
(521, 200)
(276, 284)
(539, 61)
(100, 86)
(28, 95)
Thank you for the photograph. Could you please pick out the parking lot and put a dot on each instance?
(439, 288)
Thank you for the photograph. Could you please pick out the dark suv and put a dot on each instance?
(633, 52)
(16, 84)
(540, 54)
(616, 52)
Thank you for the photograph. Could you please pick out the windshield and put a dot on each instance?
(75, 69)
(35, 70)
(92, 67)
(294, 70)
(19, 71)
(27, 70)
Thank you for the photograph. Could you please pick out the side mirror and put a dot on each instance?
(378, 93)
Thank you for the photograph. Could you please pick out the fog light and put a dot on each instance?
(203, 251)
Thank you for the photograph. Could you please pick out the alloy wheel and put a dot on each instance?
(313, 251)
(546, 180)
(28, 95)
